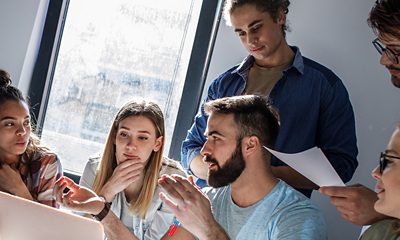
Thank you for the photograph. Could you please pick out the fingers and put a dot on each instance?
(181, 191)
(59, 188)
(129, 166)
(127, 171)
(168, 201)
(191, 180)
(334, 191)
(70, 183)
(188, 184)
(171, 187)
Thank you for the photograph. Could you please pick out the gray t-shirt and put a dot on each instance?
(283, 214)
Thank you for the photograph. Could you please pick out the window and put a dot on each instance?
(109, 54)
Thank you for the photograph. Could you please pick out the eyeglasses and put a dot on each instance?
(393, 56)
(383, 161)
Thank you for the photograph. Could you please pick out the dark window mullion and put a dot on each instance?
(44, 66)
(196, 74)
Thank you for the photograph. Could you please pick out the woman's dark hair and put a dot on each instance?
(7, 91)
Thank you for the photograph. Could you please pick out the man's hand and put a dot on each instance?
(78, 198)
(11, 182)
(124, 174)
(355, 203)
(191, 206)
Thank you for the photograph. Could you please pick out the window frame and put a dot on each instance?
(42, 77)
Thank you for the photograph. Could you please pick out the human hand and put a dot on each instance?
(124, 174)
(355, 203)
(189, 204)
(11, 181)
(78, 198)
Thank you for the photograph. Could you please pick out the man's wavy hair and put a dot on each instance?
(273, 7)
(384, 18)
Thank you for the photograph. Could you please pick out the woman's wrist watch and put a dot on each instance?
(103, 213)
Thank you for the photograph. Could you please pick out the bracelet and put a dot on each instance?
(103, 213)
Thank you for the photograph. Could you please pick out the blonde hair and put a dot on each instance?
(108, 162)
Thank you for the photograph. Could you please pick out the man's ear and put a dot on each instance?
(251, 144)
(281, 19)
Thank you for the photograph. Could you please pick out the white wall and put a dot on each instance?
(336, 34)
(21, 24)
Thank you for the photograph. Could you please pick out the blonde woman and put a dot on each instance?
(125, 177)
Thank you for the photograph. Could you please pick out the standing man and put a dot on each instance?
(248, 201)
(312, 101)
(356, 203)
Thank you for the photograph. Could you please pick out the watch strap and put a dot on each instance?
(103, 213)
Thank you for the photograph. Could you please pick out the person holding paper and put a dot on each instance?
(312, 101)
(356, 203)
(125, 177)
(27, 168)
(247, 200)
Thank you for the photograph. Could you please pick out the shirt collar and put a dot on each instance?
(249, 60)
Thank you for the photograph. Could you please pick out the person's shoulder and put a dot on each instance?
(170, 166)
(288, 197)
(93, 163)
(44, 157)
(89, 172)
(319, 71)
(384, 229)
(94, 159)
(228, 75)
(292, 208)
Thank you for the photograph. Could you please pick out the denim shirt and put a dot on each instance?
(314, 110)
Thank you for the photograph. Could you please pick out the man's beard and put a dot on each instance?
(229, 172)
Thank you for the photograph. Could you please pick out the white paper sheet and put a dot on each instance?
(312, 164)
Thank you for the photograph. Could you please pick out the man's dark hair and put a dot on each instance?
(253, 115)
(384, 18)
(273, 7)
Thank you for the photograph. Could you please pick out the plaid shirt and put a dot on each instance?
(39, 174)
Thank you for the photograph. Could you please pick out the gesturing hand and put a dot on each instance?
(78, 198)
(188, 203)
(124, 174)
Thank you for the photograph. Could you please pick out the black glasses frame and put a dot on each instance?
(383, 161)
(392, 55)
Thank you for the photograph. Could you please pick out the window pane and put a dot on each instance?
(109, 54)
